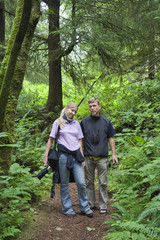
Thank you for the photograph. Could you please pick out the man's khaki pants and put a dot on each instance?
(101, 166)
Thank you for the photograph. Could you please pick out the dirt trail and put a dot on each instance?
(50, 224)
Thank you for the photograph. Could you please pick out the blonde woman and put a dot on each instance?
(70, 159)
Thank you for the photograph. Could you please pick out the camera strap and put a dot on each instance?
(100, 77)
(55, 140)
(86, 93)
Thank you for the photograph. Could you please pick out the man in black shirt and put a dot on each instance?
(98, 131)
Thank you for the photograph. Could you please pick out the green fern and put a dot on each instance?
(127, 230)
(17, 194)
(153, 210)
(9, 232)
(122, 210)
(125, 235)
(118, 236)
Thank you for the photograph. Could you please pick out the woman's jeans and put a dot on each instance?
(64, 186)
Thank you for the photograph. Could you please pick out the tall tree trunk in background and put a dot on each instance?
(55, 79)
(14, 46)
(17, 80)
(2, 29)
(151, 66)
(152, 53)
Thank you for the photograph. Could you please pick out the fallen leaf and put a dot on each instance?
(59, 229)
(91, 229)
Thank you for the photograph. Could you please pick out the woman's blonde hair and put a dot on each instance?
(61, 120)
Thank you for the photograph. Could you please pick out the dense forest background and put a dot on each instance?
(53, 52)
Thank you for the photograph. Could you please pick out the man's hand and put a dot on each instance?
(113, 149)
(114, 159)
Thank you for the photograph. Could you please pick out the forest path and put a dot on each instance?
(48, 222)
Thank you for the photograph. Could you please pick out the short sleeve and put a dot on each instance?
(54, 129)
(80, 133)
(111, 131)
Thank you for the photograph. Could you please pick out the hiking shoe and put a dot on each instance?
(70, 214)
(88, 213)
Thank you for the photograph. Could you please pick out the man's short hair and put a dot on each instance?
(93, 99)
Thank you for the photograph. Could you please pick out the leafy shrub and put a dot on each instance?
(137, 175)
(30, 141)
(16, 193)
(138, 192)
(32, 99)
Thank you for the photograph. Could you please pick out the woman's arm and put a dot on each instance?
(81, 149)
(48, 147)
(81, 146)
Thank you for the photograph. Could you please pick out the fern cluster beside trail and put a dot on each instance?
(136, 181)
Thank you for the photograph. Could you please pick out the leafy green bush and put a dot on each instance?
(138, 193)
(32, 99)
(136, 107)
(135, 182)
(16, 193)
(30, 141)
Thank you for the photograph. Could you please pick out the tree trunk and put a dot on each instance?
(54, 55)
(16, 86)
(24, 7)
(2, 29)
(152, 56)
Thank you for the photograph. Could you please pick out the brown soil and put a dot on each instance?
(48, 222)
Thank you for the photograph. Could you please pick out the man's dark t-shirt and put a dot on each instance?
(96, 132)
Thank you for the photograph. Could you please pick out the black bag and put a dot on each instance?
(53, 159)
(52, 155)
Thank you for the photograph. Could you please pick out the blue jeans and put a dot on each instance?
(64, 186)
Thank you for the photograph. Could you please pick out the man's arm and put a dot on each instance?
(113, 149)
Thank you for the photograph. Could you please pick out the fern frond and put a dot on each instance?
(9, 232)
(118, 236)
(157, 198)
(152, 189)
(155, 221)
(122, 210)
(152, 232)
(139, 236)
(15, 192)
(149, 211)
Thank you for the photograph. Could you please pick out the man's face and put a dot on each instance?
(94, 108)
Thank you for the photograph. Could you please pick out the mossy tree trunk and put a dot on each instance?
(2, 29)
(56, 52)
(54, 58)
(15, 84)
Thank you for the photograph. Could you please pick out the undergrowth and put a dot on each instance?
(135, 182)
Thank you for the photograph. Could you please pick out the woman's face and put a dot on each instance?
(71, 112)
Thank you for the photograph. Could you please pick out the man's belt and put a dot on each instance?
(94, 158)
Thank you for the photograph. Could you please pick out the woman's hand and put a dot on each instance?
(45, 160)
(83, 164)
(48, 147)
